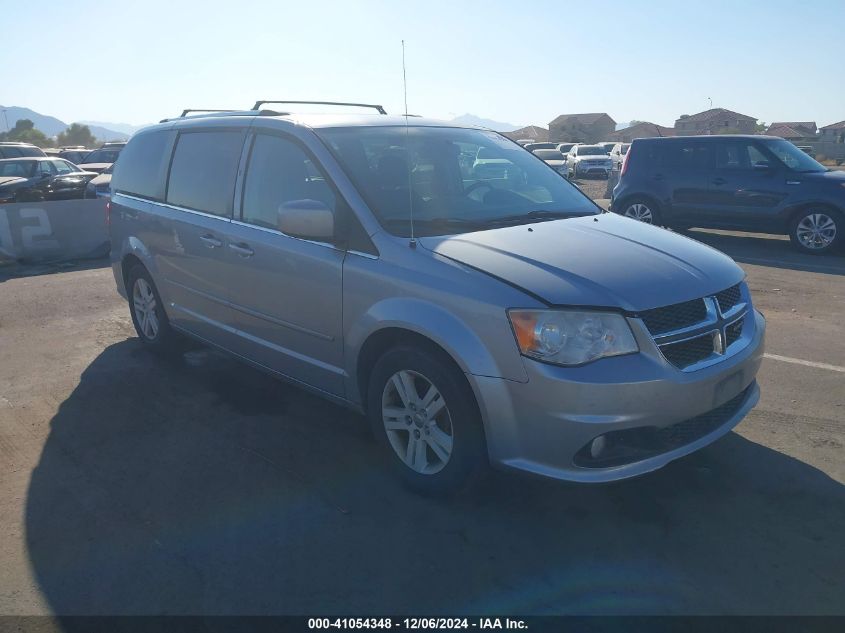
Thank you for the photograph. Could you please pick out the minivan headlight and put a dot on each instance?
(569, 337)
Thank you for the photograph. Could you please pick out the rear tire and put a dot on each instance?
(642, 210)
(424, 414)
(817, 230)
(148, 315)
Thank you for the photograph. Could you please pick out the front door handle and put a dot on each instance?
(242, 249)
(210, 241)
(719, 181)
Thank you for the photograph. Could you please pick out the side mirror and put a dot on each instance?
(306, 219)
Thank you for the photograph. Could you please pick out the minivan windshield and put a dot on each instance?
(793, 157)
(456, 180)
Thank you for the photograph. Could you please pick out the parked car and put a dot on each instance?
(808, 150)
(617, 154)
(564, 148)
(525, 141)
(607, 145)
(38, 179)
(99, 160)
(76, 156)
(553, 159)
(474, 320)
(532, 146)
(746, 183)
(588, 160)
(10, 149)
(100, 186)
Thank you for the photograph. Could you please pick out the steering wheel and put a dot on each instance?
(476, 185)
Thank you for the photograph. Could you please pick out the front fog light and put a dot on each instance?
(597, 446)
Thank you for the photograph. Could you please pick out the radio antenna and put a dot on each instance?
(413, 242)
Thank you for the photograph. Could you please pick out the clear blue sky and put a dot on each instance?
(522, 62)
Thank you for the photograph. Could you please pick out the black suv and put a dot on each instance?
(10, 149)
(748, 183)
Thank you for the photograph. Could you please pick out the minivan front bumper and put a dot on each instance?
(649, 412)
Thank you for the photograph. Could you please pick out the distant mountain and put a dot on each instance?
(622, 126)
(499, 126)
(51, 126)
(124, 128)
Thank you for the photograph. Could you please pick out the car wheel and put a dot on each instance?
(148, 314)
(641, 210)
(424, 414)
(817, 230)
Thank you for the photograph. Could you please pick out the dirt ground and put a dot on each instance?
(129, 484)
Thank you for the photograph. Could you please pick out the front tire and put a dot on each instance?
(424, 414)
(817, 231)
(147, 311)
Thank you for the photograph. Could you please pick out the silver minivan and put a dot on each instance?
(477, 312)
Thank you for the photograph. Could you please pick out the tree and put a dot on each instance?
(25, 132)
(77, 134)
(760, 127)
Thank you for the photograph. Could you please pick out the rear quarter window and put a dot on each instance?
(142, 168)
(203, 171)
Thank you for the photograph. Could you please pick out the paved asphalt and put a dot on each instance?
(129, 484)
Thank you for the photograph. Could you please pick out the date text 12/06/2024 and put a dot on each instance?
(413, 624)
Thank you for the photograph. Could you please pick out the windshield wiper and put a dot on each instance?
(531, 216)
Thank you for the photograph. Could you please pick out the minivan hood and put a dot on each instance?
(602, 261)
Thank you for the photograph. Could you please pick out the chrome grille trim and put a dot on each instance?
(730, 330)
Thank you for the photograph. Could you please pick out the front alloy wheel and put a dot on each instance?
(417, 422)
(816, 231)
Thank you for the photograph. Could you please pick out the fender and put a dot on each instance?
(131, 246)
(435, 323)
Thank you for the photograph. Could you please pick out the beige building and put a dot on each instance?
(582, 128)
(715, 121)
(643, 129)
(534, 132)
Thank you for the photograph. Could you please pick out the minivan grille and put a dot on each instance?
(689, 352)
(674, 317)
(693, 331)
(728, 298)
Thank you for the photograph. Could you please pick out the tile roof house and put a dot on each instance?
(643, 129)
(833, 132)
(589, 127)
(534, 132)
(715, 121)
(790, 133)
(806, 129)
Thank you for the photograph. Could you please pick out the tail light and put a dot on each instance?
(625, 161)
(108, 213)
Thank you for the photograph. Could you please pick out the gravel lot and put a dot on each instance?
(129, 484)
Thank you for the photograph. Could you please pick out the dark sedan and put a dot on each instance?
(39, 179)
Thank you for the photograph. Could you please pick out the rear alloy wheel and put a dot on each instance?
(148, 315)
(640, 211)
(423, 411)
(817, 231)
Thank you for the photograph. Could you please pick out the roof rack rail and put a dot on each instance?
(379, 108)
(187, 111)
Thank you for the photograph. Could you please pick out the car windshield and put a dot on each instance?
(20, 168)
(793, 157)
(624, 149)
(590, 150)
(455, 180)
(548, 154)
(102, 156)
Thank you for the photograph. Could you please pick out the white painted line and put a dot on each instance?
(812, 268)
(806, 363)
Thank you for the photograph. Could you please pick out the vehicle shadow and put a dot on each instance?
(199, 486)
(13, 270)
(767, 250)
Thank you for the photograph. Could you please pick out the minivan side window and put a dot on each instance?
(203, 171)
(142, 167)
(280, 171)
(738, 155)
